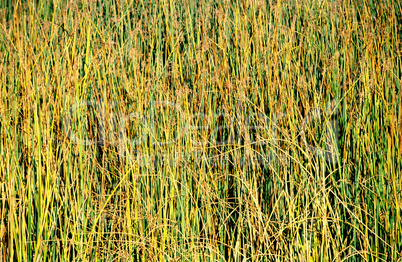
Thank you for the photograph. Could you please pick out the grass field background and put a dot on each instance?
(216, 130)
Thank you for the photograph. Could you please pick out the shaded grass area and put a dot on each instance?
(216, 131)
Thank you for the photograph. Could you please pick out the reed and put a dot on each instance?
(215, 130)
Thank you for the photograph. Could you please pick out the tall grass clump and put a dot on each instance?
(200, 130)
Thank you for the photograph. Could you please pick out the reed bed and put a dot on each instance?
(200, 130)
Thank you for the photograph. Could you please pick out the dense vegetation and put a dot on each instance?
(200, 130)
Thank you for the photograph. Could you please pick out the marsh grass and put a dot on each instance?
(220, 193)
